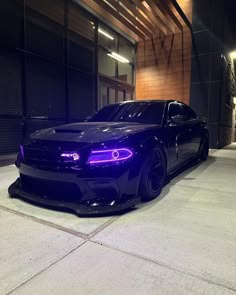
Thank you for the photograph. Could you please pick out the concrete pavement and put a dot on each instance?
(184, 242)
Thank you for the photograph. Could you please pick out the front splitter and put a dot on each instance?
(15, 191)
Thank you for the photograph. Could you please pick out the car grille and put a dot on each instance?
(53, 190)
(46, 155)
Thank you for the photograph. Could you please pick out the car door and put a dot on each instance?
(194, 125)
(179, 136)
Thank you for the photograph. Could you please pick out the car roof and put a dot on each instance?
(149, 100)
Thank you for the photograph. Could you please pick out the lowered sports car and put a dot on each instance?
(122, 155)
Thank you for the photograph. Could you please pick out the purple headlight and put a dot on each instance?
(112, 155)
(70, 156)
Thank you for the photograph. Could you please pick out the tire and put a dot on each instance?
(153, 175)
(204, 151)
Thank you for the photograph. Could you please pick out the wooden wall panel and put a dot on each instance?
(164, 64)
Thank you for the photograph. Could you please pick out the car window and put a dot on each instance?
(153, 113)
(188, 112)
(139, 112)
(174, 110)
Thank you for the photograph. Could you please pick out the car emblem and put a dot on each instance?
(74, 156)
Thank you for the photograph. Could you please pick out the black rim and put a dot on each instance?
(156, 172)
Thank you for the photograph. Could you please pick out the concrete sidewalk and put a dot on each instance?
(184, 242)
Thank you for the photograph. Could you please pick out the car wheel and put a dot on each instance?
(204, 152)
(153, 175)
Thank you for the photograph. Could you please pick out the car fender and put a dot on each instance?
(153, 142)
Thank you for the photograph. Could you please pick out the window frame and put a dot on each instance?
(194, 115)
(168, 111)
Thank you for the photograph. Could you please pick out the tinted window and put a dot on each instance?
(107, 38)
(11, 23)
(44, 28)
(125, 73)
(45, 88)
(106, 64)
(141, 112)
(174, 110)
(81, 31)
(126, 49)
(188, 112)
(80, 56)
(80, 85)
(79, 22)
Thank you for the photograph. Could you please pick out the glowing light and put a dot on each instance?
(105, 34)
(106, 156)
(118, 57)
(69, 156)
(233, 54)
(115, 154)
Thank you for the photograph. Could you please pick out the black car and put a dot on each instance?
(122, 155)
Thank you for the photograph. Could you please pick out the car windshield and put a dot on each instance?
(137, 112)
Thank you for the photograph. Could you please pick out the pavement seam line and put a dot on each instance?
(47, 223)
(226, 164)
(163, 265)
(62, 228)
(203, 188)
(45, 269)
(102, 227)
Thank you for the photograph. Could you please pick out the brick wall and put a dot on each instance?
(164, 64)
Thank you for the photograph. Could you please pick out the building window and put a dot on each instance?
(80, 22)
(11, 23)
(45, 28)
(81, 55)
(81, 35)
(81, 95)
(107, 38)
(45, 88)
(112, 50)
(106, 64)
(126, 49)
(125, 72)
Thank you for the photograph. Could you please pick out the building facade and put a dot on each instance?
(62, 60)
(55, 68)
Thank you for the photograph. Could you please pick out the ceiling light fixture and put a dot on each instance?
(105, 34)
(118, 57)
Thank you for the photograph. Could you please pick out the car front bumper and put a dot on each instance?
(93, 192)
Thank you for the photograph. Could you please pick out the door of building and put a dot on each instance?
(111, 91)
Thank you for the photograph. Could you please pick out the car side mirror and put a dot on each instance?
(178, 119)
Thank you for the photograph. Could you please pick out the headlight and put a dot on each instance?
(112, 155)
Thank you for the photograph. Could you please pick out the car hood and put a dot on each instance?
(91, 132)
